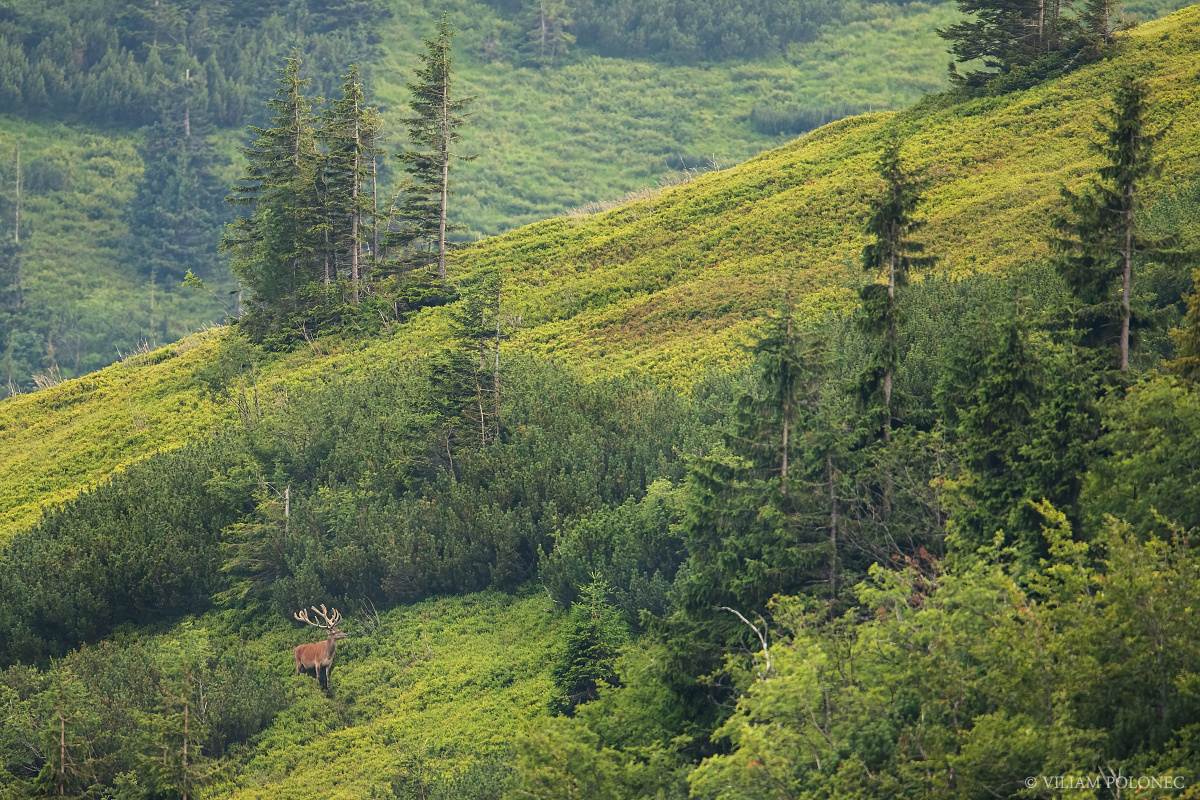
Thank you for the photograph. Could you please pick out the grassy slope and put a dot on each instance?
(673, 283)
(75, 263)
(554, 139)
(439, 688)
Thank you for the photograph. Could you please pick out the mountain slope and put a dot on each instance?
(672, 283)
(552, 139)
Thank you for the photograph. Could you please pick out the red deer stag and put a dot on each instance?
(318, 656)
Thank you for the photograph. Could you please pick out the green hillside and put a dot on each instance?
(549, 140)
(588, 131)
(671, 284)
(161, 517)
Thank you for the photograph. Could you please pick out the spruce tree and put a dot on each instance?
(1025, 425)
(1099, 241)
(478, 333)
(757, 524)
(436, 115)
(1186, 337)
(349, 133)
(767, 418)
(1002, 35)
(1098, 21)
(590, 641)
(177, 211)
(891, 253)
(275, 247)
(547, 31)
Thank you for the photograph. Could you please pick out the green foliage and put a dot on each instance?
(1020, 42)
(967, 683)
(177, 212)
(350, 472)
(687, 30)
(1027, 422)
(589, 641)
(1145, 473)
(634, 548)
(347, 492)
(103, 715)
(546, 26)
(274, 247)
(109, 63)
(623, 744)
(891, 251)
(139, 548)
(437, 112)
(1100, 243)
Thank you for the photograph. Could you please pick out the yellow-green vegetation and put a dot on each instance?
(437, 690)
(673, 283)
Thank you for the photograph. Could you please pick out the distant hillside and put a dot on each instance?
(671, 284)
(548, 139)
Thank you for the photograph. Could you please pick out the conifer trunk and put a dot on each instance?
(445, 122)
(1126, 277)
(891, 340)
(787, 421)
(496, 371)
(374, 208)
(354, 206)
(834, 524)
(17, 211)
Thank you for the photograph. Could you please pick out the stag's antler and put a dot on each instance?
(331, 618)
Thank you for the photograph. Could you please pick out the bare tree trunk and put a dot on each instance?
(542, 26)
(891, 341)
(187, 104)
(482, 415)
(834, 524)
(328, 277)
(374, 208)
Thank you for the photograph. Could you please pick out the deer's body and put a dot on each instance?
(318, 656)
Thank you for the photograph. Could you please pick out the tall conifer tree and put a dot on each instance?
(176, 214)
(437, 114)
(1099, 240)
(275, 248)
(891, 254)
(547, 29)
(350, 134)
(1004, 35)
